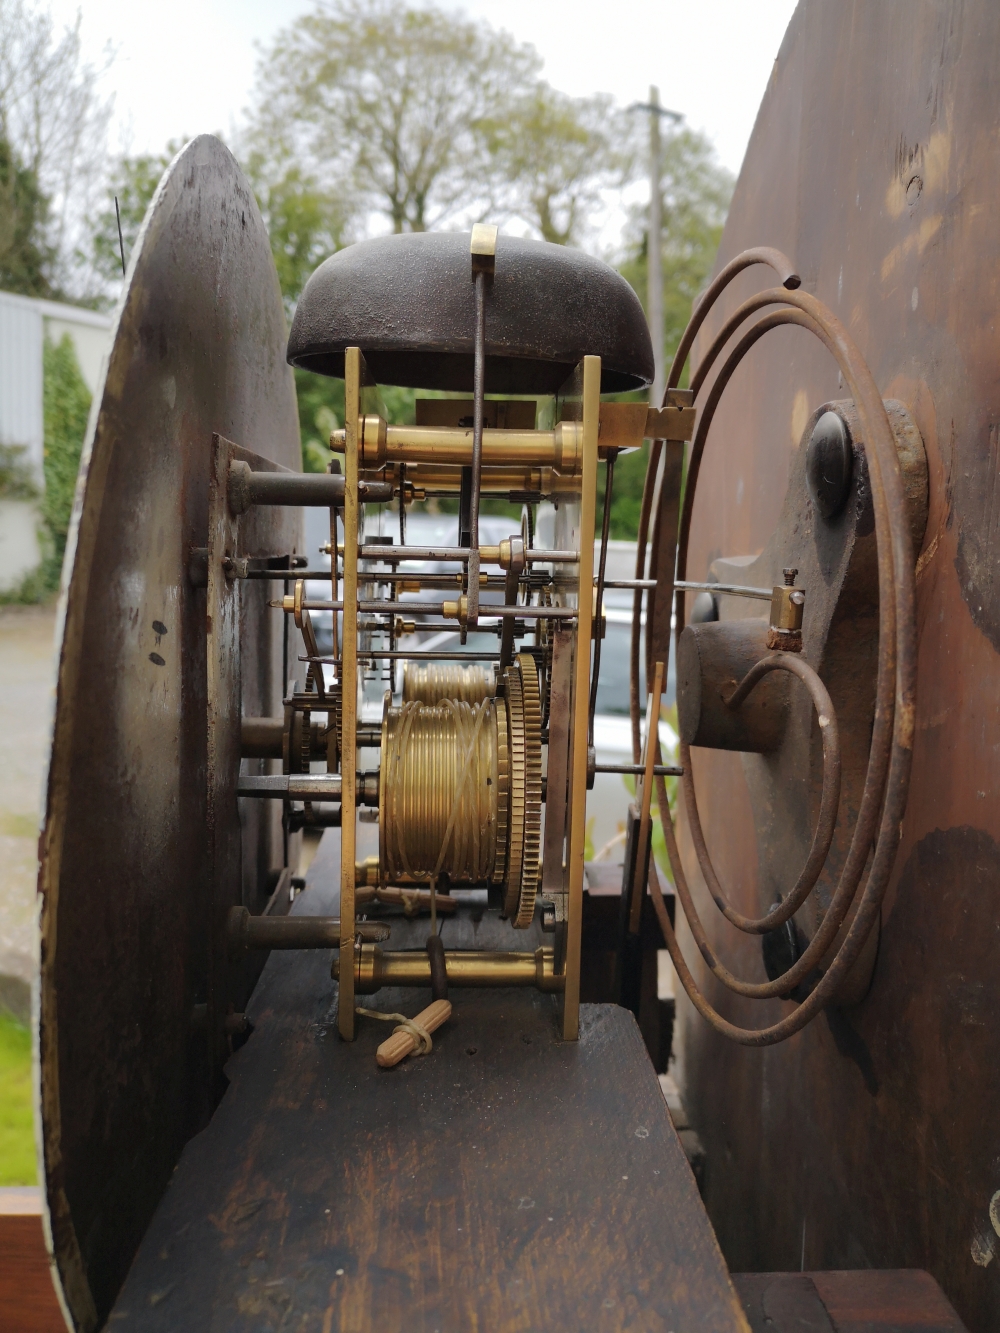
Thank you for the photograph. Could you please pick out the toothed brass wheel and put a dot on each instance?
(520, 683)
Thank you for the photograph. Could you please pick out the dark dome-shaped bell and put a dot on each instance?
(409, 303)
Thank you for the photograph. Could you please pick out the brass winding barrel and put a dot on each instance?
(433, 682)
(442, 797)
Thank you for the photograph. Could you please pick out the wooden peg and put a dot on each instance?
(400, 1044)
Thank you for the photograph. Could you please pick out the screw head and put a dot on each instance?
(790, 575)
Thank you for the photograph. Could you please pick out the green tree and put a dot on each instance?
(303, 228)
(386, 103)
(132, 181)
(696, 191)
(25, 256)
(305, 223)
(555, 155)
(66, 409)
(696, 194)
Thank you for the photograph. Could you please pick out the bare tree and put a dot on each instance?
(385, 104)
(54, 120)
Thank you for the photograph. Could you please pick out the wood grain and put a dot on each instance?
(28, 1301)
(899, 1300)
(508, 1181)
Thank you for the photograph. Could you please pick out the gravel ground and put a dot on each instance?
(26, 642)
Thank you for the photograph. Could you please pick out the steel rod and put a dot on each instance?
(459, 553)
(599, 599)
(417, 656)
(636, 770)
(478, 394)
(293, 932)
(291, 786)
(289, 575)
(436, 608)
(730, 589)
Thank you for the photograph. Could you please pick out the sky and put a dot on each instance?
(187, 67)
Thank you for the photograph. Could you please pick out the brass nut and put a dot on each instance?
(787, 604)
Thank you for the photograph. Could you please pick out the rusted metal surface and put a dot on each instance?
(508, 1180)
(408, 303)
(712, 659)
(870, 1138)
(125, 876)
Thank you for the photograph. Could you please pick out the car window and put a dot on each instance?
(613, 683)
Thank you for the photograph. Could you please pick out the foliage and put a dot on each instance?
(17, 1135)
(423, 116)
(304, 222)
(16, 481)
(626, 498)
(383, 102)
(66, 408)
(55, 125)
(133, 182)
(555, 155)
(696, 193)
(25, 256)
(321, 410)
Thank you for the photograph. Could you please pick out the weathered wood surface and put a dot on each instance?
(895, 1300)
(509, 1181)
(872, 1140)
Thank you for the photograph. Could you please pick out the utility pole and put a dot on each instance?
(654, 242)
(654, 259)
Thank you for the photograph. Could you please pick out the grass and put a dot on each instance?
(17, 1135)
(18, 826)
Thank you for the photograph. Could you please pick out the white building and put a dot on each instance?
(24, 325)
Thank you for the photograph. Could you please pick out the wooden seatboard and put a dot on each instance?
(894, 1300)
(28, 1302)
(509, 1180)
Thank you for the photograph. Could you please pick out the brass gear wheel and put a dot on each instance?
(503, 792)
(514, 698)
(525, 730)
